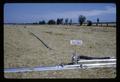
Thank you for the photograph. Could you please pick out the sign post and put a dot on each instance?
(75, 43)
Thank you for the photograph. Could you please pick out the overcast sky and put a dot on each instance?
(34, 12)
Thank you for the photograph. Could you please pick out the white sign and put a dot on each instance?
(76, 42)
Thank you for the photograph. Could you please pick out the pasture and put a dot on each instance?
(21, 49)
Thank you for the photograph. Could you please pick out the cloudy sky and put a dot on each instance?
(34, 12)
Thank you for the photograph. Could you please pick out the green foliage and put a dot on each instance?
(60, 21)
(89, 23)
(51, 22)
(42, 22)
(70, 21)
(66, 21)
(81, 19)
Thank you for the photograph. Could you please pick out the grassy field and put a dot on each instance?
(21, 49)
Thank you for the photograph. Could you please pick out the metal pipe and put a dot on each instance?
(65, 67)
(98, 60)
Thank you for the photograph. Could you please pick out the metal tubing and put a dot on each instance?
(65, 67)
(98, 60)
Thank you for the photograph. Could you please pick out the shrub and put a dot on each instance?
(81, 19)
(51, 22)
(89, 23)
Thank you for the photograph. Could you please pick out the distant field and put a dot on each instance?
(21, 49)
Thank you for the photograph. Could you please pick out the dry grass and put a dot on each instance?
(21, 49)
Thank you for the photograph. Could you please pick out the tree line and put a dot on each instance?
(59, 21)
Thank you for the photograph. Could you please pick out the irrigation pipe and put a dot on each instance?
(59, 67)
(98, 60)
